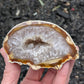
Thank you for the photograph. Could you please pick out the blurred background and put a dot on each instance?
(69, 14)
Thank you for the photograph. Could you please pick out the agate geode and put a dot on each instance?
(39, 44)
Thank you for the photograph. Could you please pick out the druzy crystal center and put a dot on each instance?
(38, 44)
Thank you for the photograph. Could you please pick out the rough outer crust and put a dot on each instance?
(56, 63)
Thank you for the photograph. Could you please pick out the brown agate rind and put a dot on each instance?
(55, 63)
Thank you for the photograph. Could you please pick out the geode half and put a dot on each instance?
(39, 44)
